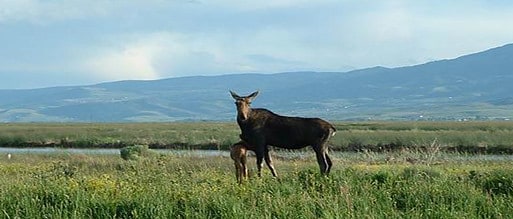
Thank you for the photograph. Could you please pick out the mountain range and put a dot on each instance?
(474, 86)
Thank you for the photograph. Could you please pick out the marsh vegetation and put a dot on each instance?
(491, 137)
(417, 175)
(170, 186)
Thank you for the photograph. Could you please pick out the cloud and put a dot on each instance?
(44, 12)
(129, 63)
(156, 55)
(458, 29)
(265, 5)
(168, 54)
(126, 60)
(118, 40)
(273, 37)
(391, 23)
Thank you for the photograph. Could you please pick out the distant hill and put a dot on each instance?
(475, 86)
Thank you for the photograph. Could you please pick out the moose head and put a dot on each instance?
(243, 104)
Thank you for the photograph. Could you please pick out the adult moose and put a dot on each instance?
(261, 128)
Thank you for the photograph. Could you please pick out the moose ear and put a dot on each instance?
(253, 96)
(235, 96)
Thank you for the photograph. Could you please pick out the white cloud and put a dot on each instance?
(133, 59)
(16, 10)
(118, 40)
(44, 12)
(128, 63)
(458, 30)
(392, 23)
(157, 55)
(262, 5)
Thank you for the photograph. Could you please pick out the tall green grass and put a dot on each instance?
(475, 137)
(117, 135)
(81, 186)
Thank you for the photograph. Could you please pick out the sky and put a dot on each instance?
(46, 43)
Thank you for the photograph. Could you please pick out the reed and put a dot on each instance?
(493, 137)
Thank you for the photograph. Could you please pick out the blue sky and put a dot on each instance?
(78, 42)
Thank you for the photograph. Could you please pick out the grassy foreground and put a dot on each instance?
(169, 186)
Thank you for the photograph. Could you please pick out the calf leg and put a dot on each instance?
(244, 171)
(238, 172)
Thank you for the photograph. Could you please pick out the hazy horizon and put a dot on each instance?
(48, 44)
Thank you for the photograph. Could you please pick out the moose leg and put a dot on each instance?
(269, 162)
(321, 150)
(322, 161)
(322, 156)
(259, 160)
(260, 149)
(330, 164)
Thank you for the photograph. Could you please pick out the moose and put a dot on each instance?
(238, 153)
(262, 128)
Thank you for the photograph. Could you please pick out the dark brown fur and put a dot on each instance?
(261, 128)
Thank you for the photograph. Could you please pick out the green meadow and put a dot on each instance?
(381, 170)
(491, 137)
(170, 186)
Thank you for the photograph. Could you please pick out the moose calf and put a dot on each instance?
(238, 153)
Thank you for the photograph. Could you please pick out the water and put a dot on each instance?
(286, 155)
(57, 151)
(92, 151)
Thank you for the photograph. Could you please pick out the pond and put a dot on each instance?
(50, 150)
(278, 154)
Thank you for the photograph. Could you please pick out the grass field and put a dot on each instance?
(168, 186)
(392, 170)
(475, 137)
(389, 170)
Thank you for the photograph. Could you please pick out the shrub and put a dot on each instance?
(135, 152)
(495, 182)
(381, 177)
